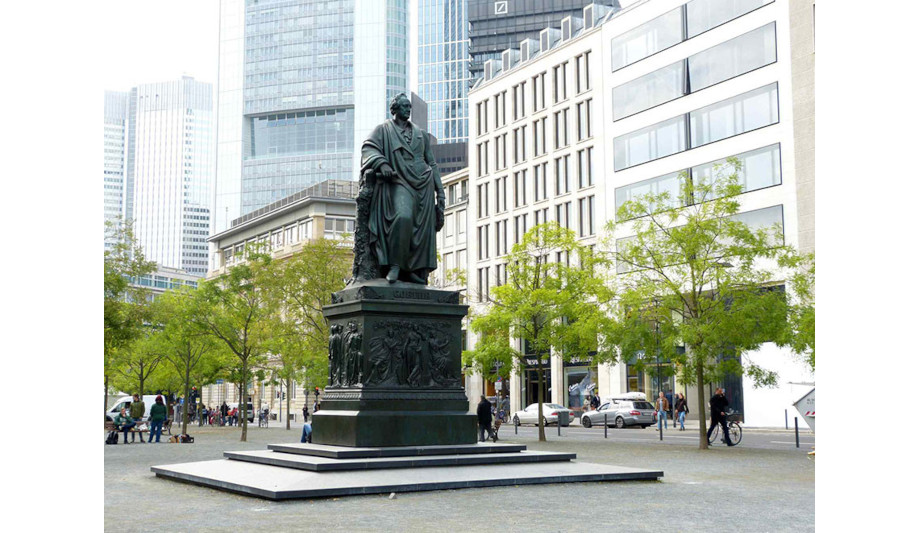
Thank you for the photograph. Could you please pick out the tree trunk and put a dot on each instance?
(187, 404)
(701, 403)
(288, 420)
(540, 383)
(105, 398)
(244, 417)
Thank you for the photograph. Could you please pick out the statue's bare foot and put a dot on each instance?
(393, 274)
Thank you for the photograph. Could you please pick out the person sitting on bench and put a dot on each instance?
(124, 423)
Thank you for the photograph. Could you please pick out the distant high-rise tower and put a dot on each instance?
(113, 173)
(165, 179)
(301, 85)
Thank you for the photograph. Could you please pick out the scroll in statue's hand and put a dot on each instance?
(387, 172)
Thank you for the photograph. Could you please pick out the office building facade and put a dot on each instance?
(159, 169)
(301, 84)
(618, 103)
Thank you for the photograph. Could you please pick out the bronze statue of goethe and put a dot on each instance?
(406, 204)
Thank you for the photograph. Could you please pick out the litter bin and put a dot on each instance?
(564, 419)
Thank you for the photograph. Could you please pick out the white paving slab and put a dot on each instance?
(278, 483)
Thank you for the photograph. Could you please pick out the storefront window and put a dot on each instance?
(581, 382)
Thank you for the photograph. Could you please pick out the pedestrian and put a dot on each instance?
(484, 413)
(670, 397)
(234, 417)
(315, 406)
(137, 413)
(202, 414)
(586, 405)
(661, 405)
(306, 412)
(681, 410)
(500, 416)
(307, 435)
(717, 406)
(595, 401)
(158, 415)
(177, 413)
(124, 422)
(223, 413)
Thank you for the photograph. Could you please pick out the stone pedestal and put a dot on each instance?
(394, 368)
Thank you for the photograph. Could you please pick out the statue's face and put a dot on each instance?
(403, 108)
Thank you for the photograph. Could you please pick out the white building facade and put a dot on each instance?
(617, 104)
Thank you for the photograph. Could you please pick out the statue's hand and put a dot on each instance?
(387, 172)
(439, 216)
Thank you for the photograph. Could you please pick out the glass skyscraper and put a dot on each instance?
(159, 169)
(301, 84)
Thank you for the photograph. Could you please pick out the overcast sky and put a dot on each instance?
(159, 40)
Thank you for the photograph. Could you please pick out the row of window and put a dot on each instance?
(521, 223)
(537, 83)
(758, 169)
(334, 227)
(676, 26)
(537, 146)
(724, 61)
(721, 120)
(533, 183)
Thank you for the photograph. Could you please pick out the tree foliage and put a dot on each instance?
(550, 306)
(242, 315)
(693, 275)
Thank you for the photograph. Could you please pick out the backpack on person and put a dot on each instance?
(112, 437)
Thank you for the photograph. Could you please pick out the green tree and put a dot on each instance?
(693, 275)
(237, 310)
(136, 364)
(125, 310)
(304, 284)
(800, 336)
(183, 342)
(539, 305)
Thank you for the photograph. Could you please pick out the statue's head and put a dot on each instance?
(401, 106)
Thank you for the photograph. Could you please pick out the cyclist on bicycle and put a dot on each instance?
(718, 404)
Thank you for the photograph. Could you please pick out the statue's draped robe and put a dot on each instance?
(402, 211)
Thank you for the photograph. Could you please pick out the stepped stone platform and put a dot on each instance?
(291, 471)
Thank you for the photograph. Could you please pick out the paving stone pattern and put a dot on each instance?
(734, 489)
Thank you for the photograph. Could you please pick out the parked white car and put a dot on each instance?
(550, 414)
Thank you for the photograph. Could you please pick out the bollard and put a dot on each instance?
(796, 432)
(515, 429)
(558, 428)
(605, 425)
(787, 417)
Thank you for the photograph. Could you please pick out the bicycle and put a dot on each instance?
(733, 421)
(263, 420)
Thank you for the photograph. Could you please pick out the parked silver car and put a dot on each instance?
(621, 413)
(550, 414)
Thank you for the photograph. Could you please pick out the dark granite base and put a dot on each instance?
(325, 464)
(339, 452)
(393, 428)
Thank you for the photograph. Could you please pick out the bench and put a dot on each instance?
(141, 428)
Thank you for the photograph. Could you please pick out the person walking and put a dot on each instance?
(661, 405)
(717, 406)
(223, 413)
(681, 410)
(484, 414)
(137, 413)
(124, 422)
(595, 401)
(177, 412)
(306, 412)
(158, 415)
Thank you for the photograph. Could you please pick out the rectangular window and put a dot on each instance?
(562, 175)
(539, 137)
(586, 216)
(759, 169)
(541, 216)
(652, 37)
(652, 142)
(483, 200)
(584, 120)
(539, 182)
(517, 92)
(650, 90)
(703, 15)
(483, 242)
(499, 104)
(740, 114)
(561, 128)
(669, 183)
(563, 214)
(765, 218)
(482, 284)
(582, 72)
(585, 168)
(539, 91)
(520, 227)
(520, 144)
(520, 188)
(734, 57)
(559, 86)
